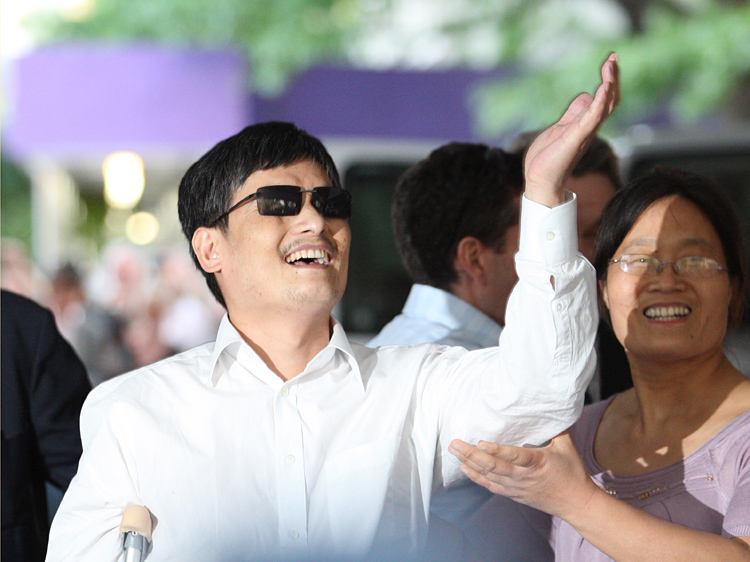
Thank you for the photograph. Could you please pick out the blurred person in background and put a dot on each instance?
(19, 274)
(123, 281)
(161, 306)
(95, 334)
(44, 385)
(180, 313)
(189, 315)
(142, 336)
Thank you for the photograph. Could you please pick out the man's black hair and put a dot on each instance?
(460, 190)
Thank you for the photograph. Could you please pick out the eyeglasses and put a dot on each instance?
(645, 264)
(286, 200)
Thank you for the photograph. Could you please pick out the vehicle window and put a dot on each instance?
(378, 284)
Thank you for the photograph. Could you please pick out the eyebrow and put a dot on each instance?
(683, 243)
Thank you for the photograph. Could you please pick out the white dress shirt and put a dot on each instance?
(235, 463)
(431, 315)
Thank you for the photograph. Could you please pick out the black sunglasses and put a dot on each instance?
(286, 200)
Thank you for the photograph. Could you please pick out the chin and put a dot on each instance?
(306, 297)
(674, 353)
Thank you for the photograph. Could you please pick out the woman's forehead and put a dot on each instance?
(675, 221)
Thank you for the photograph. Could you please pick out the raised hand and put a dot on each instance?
(551, 479)
(555, 152)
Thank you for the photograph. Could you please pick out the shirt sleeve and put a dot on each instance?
(531, 387)
(86, 527)
(737, 518)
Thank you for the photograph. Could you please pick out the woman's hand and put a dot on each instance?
(555, 152)
(551, 478)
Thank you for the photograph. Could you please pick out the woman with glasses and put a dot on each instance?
(663, 470)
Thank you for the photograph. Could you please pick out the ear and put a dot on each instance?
(469, 259)
(206, 248)
(604, 292)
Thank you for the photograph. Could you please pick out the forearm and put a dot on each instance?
(550, 328)
(86, 526)
(628, 534)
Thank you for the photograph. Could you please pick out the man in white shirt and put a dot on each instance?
(282, 439)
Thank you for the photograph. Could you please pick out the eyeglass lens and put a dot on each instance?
(286, 200)
(645, 264)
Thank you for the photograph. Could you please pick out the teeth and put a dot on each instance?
(320, 256)
(666, 312)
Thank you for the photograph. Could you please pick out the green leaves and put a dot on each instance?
(278, 38)
(685, 62)
(684, 66)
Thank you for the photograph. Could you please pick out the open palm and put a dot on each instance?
(555, 152)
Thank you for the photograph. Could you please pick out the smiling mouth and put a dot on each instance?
(309, 257)
(666, 313)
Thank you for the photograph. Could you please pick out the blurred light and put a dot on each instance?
(124, 180)
(142, 228)
(115, 220)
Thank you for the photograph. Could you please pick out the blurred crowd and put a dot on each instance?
(132, 308)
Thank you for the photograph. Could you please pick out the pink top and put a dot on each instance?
(707, 490)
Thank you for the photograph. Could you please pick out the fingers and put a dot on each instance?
(608, 92)
(552, 156)
(517, 456)
(577, 107)
(496, 467)
(586, 112)
(605, 99)
(611, 75)
(482, 480)
(609, 69)
(480, 466)
(494, 458)
(475, 458)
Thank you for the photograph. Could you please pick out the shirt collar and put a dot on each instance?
(340, 341)
(229, 339)
(456, 314)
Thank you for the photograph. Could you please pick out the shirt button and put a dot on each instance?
(293, 535)
(285, 391)
(290, 459)
(550, 235)
(560, 306)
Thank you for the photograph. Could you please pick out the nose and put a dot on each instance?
(309, 219)
(667, 278)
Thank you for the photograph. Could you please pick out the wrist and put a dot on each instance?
(545, 195)
(578, 512)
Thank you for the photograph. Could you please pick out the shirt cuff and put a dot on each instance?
(548, 235)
